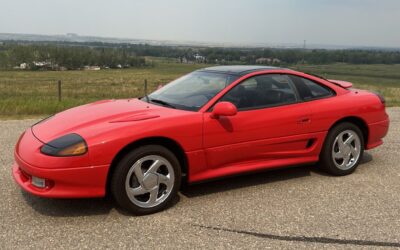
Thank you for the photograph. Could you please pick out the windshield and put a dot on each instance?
(191, 91)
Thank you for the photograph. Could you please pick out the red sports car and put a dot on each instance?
(213, 122)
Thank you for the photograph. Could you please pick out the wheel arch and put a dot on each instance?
(169, 143)
(359, 122)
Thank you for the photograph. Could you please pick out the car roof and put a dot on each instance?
(240, 70)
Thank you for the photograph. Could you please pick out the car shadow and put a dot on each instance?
(367, 157)
(101, 206)
(76, 207)
(258, 178)
(68, 207)
(246, 180)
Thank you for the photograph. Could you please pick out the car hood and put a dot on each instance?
(89, 117)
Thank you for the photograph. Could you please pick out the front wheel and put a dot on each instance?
(343, 149)
(146, 180)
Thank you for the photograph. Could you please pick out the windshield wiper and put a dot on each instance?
(164, 103)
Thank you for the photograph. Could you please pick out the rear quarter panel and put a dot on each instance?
(354, 103)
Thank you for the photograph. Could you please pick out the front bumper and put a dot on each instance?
(64, 182)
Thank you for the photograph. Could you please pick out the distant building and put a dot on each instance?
(23, 66)
(263, 60)
(183, 59)
(267, 60)
(44, 65)
(40, 64)
(276, 61)
(91, 67)
(199, 58)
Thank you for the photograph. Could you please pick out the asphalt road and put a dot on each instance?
(298, 208)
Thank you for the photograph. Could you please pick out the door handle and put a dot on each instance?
(303, 120)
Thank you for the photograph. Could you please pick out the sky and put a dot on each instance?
(328, 22)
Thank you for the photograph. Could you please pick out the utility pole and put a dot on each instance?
(304, 51)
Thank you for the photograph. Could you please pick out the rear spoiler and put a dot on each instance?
(342, 84)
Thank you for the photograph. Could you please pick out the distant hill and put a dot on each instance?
(72, 37)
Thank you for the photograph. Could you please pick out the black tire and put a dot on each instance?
(122, 169)
(326, 158)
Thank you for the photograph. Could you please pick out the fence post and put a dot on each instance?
(145, 86)
(59, 90)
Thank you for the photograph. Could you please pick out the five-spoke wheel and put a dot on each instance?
(150, 181)
(343, 149)
(146, 180)
(346, 149)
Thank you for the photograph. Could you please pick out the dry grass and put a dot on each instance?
(35, 93)
(27, 93)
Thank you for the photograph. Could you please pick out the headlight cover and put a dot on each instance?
(67, 145)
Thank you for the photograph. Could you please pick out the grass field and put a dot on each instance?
(34, 93)
(30, 93)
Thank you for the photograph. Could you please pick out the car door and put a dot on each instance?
(324, 111)
(270, 124)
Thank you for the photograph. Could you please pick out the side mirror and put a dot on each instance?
(223, 109)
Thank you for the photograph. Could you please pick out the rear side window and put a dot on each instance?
(310, 90)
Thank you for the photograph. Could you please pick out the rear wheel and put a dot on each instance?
(343, 149)
(146, 180)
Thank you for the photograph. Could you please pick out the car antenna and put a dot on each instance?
(145, 91)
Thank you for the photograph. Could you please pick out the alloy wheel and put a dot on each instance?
(149, 181)
(346, 149)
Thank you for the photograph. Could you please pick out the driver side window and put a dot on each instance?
(262, 91)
